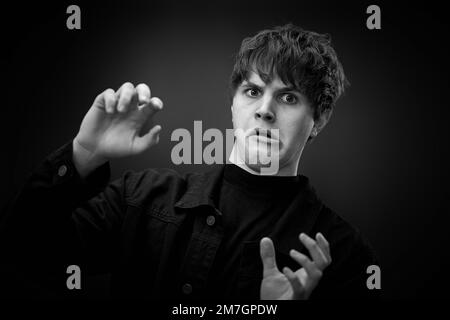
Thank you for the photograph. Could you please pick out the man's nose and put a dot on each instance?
(265, 111)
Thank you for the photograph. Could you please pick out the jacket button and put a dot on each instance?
(210, 220)
(187, 288)
(62, 170)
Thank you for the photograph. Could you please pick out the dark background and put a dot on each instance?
(381, 163)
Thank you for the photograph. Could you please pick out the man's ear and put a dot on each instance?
(320, 123)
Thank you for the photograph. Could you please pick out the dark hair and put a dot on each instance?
(303, 59)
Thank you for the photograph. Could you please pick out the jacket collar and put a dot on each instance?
(202, 189)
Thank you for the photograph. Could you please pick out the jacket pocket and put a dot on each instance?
(250, 271)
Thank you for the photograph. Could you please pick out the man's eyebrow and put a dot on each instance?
(250, 83)
(290, 88)
(287, 88)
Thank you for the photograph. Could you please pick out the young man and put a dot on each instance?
(228, 233)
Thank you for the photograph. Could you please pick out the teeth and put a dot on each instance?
(263, 133)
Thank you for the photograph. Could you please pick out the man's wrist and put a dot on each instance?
(85, 161)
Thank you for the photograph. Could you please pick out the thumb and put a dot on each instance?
(267, 252)
(150, 139)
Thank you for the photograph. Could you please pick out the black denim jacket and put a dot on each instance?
(154, 232)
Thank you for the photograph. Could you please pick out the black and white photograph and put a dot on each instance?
(218, 154)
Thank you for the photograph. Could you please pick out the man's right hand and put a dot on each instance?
(118, 124)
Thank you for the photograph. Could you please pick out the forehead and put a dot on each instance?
(275, 81)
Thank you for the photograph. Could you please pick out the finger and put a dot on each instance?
(110, 101)
(150, 139)
(315, 251)
(119, 91)
(128, 97)
(144, 93)
(314, 273)
(156, 103)
(267, 252)
(297, 286)
(99, 101)
(148, 111)
(324, 245)
(152, 107)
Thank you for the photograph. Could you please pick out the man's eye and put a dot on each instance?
(289, 98)
(252, 92)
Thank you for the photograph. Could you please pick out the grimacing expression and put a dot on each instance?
(266, 106)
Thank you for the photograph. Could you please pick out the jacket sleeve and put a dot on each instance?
(58, 219)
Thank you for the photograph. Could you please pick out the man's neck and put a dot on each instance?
(235, 159)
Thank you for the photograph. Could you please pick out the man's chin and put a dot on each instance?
(261, 163)
(258, 157)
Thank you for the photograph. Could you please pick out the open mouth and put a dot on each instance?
(263, 133)
(269, 134)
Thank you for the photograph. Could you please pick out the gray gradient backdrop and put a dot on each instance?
(381, 162)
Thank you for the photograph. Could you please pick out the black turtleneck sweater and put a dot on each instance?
(250, 206)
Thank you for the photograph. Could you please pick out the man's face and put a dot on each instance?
(275, 105)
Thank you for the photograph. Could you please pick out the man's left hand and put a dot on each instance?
(297, 285)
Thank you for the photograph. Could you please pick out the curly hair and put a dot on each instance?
(303, 59)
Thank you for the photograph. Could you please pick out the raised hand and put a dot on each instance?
(290, 285)
(115, 126)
